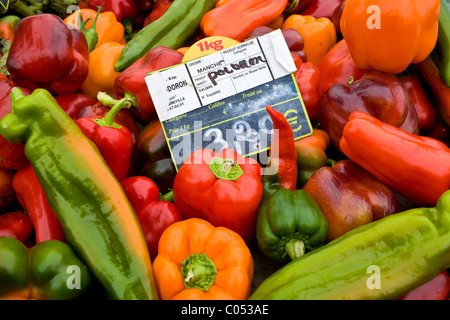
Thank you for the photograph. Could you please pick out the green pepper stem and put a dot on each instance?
(295, 248)
(198, 271)
(225, 169)
(109, 101)
(15, 95)
(91, 33)
(108, 119)
(330, 162)
(167, 197)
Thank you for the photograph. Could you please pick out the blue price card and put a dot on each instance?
(219, 101)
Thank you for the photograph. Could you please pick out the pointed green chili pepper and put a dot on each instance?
(384, 259)
(97, 218)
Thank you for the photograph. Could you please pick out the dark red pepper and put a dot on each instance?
(16, 225)
(113, 140)
(154, 213)
(131, 84)
(33, 200)
(321, 8)
(72, 103)
(159, 8)
(57, 59)
(296, 6)
(122, 9)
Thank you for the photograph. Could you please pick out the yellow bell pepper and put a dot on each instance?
(107, 27)
(319, 35)
(101, 74)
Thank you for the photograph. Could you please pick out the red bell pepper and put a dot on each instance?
(308, 81)
(159, 8)
(57, 59)
(122, 9)
(155, 213)
(7, 195)
(72, 103)
(338, 67)
(130, 83)
(222, 188)
(321, 8)
(33, 200)
(379, 94)
(296, 6)
(16, 225)
(437, 288)
(113, 140)
(424, 109)
(416, 167)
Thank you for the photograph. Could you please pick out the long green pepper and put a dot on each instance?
(380, 260)
(98, 220)
(173, 29)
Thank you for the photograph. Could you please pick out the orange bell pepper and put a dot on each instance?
(101, 74)
(319, 35)
(236, 19)
(197, 261)
(108, 28)
(388, 35)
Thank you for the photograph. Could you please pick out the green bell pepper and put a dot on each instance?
(289, 224)
(443, 42)
(384, 259)
(98, 220)
(50, 270)
(173, 29)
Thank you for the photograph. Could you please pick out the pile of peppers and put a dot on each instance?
(93, 207)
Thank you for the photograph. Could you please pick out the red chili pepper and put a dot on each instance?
(154, 212)
(72, 103)
(131, 84)
(437, 288)
(32, 198)
(113, 140)
(159, 8)
(16, 225)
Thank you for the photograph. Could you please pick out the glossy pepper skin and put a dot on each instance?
(122, 9)
(379, 94)
(49, 270)
(107, 27)
(57, 59)
(198, 261)
(97, 218)
(159, 8)
(338, 67)
(32, 198)
(237, 19)
(319, 35)
(154, 156)
(176, 27)
(290, 224)
(437, 288)
(424, 109)
(296, 6)
(282, 165)
(73, 103)
(308, 80)
(322, 8)
(16, 225)
(154, 212)
(229, 185)
(131, 84)
(311, 155)
(372, 34)
(406, 259)
(349, 197)
(101, 75)
(417, 167)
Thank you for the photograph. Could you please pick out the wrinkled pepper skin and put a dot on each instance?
(155, 214)
(47, 271)
(173, 29)
(289, 224)
(230, 188)
(417, 167)
(349, 197)
(237, 19)
(373, 38)
(57, 61)
(198, 261)
(391, 248)
(97, 218)
(378, 94)
(32, 198)
(130, 83)
(16, 225)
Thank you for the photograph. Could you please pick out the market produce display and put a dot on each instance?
(94, 205)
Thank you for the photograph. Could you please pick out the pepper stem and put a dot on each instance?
(167, 197)
(295, 248)
(198, 271)
(108, 119)
(225, 169)
(91, 33)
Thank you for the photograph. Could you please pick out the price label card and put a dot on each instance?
(219, 100)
